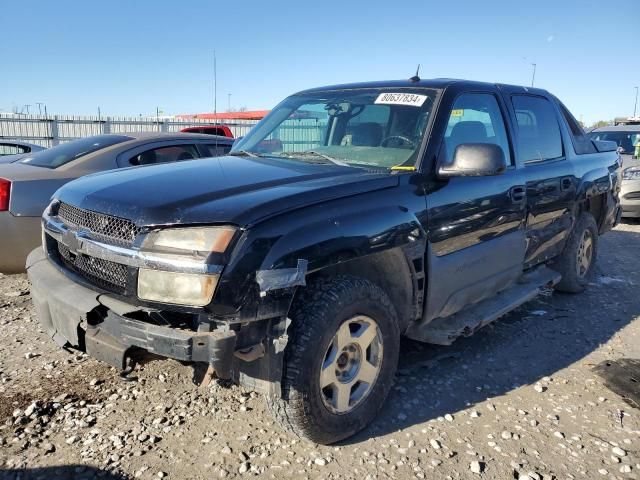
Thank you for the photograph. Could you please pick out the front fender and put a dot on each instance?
(284, 249)
(327, 241)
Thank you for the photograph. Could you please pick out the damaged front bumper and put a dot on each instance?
(75, 315)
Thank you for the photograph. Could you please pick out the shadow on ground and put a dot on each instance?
(542, 337)
(61, 472)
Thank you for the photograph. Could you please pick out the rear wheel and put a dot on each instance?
(340, 360)
(577, 261)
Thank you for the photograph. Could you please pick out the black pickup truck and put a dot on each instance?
(349, 216)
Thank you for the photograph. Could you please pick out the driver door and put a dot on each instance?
(475, 224)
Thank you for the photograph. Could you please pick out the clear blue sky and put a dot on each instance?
(130, 56)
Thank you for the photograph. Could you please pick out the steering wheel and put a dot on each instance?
(405, 140)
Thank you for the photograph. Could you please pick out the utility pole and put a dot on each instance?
(27, 107)
(158, 117)
(229, 100)
(533, 76)
(635, 105)
(215, 86)
(39, 107)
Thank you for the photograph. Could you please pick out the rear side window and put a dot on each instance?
(216, 150)
(67, 152)
(539, 136)
(12, 149)
(174, 153)
(581, 143)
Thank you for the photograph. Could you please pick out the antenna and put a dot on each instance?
(416, 77)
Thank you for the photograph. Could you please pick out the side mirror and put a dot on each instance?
(474, 160)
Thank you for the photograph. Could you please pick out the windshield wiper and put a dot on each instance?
(243, 153)
(312, 153)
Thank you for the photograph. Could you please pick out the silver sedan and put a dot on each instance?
(27, 182)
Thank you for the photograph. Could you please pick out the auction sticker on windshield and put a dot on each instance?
(411, 99)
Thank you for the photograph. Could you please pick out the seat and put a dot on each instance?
(367, 134)
(147, 158)
(466, 132)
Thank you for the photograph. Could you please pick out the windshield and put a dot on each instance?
(367, 127)
(627, 140)
(66, 152)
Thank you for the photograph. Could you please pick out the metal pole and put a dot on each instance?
(99, 122)
(158, 117)
(533, 76)
(39, 107)
(635, 105)
(215, 86)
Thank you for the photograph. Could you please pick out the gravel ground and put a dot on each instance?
(519, 400)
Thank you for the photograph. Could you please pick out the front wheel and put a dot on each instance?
(340, 360)
(577, 261)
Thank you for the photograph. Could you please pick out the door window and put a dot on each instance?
(538, 129)
(12, 149)
(476, 118)
(174, 153)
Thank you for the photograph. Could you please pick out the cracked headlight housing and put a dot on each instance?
(190, 245)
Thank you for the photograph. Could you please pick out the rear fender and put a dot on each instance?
(598, 189)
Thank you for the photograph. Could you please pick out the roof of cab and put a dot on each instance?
(438, 83)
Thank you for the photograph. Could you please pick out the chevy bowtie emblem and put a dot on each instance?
(72, 241)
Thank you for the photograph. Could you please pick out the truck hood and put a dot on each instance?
(231, 190)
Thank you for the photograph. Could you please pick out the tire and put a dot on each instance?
(320, 317)
(575, 276)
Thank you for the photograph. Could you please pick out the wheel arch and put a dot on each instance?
(400, 272)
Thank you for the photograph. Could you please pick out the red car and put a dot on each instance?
(221, 130)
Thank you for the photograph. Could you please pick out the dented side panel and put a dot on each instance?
(285, 248)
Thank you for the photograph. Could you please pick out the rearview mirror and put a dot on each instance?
(474, 160)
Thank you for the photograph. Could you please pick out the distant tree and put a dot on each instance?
(601, 123)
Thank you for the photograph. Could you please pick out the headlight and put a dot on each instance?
(631, 173)
(180, 246)
(203, 240)
(176, 288)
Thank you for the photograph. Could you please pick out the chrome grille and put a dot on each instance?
(102, 227)
(103, 273)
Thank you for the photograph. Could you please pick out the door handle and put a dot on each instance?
(517, 194)
(566, 183)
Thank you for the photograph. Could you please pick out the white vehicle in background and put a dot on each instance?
(627, 137)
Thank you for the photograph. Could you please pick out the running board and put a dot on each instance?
(443, 331)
